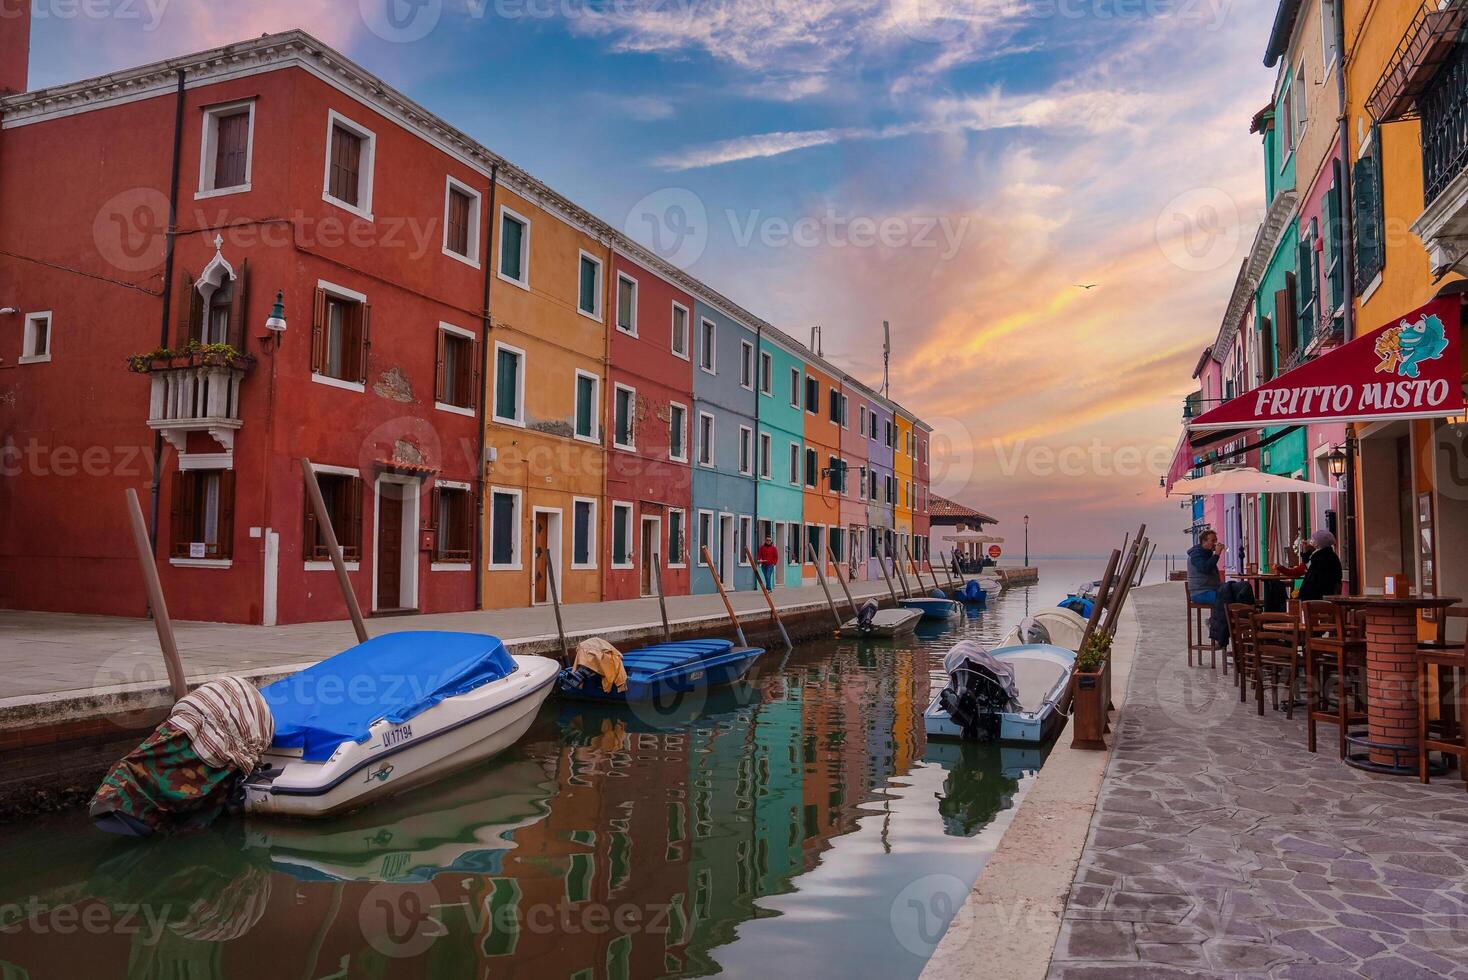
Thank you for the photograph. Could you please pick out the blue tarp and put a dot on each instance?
(396, 676)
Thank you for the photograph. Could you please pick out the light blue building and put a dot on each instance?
(725, 447)
(781, 500)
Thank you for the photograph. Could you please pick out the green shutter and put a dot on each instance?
(512, 235)
(507, 384)
(1367, 215)
(585, 396)
(588, 285)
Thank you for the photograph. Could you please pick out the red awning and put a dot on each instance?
(1410, 369)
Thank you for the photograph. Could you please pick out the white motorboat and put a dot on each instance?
(1058, 627)
(884, 624)
(1013, 694)
(389, 714)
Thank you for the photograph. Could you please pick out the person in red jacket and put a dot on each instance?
(768, 556)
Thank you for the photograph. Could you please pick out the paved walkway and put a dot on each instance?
(48, 654)
(1221, 848)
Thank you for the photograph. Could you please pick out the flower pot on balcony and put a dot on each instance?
(1087, 710)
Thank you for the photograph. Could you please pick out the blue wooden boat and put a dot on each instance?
(933, 608)
(667, 669)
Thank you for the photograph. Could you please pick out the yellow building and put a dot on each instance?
(1405, 82)
(545, 462)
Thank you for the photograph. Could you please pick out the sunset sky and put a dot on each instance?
(957, 167)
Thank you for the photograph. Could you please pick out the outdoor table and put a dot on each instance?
(1392, 702)
(1257, 580)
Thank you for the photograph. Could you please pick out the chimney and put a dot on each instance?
(15, 45)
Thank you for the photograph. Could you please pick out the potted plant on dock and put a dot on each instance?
(1088, 693)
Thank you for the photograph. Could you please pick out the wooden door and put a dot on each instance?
(648, 552)
(542, 558)
(390, 548)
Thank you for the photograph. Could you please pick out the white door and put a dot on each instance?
(726, 550)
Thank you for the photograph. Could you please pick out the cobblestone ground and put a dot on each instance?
(1221, 847)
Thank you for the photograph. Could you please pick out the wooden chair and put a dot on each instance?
(1276, 655)
(1199, 642)
(1449, 732)
(1333, 651)
(1241, 640)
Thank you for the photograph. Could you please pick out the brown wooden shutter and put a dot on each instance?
(309, 526)
(226, 514)
(440, 378)
(318, 333)
(433, 525)
(237, 308)
(176, 529)
(364, 325)
(474, 376)
(353, 530)
(188, 310)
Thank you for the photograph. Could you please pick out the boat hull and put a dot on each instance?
(1026, 727)
(721, 670)
(452, 735)
(934, 609)
(887, 624)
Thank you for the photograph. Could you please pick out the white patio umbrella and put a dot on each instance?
(974, 537)
(1245, 480)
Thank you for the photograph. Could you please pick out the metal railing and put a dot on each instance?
(1444, 110)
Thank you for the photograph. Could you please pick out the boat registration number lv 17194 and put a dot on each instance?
(397, 736)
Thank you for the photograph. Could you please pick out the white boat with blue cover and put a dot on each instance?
(1014, 694)
(389, 714)
(667, 669)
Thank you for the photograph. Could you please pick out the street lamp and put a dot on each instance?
(1027, 540)
(1337, 462)
(276, 321)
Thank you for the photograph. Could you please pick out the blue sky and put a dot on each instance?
(996, 153)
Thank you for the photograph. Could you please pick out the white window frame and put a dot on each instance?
(746, 356)
(687, 352)
(797, 465)
(476, 204)
(601, 270)
(494, 407)
(621, 506)
(368, 165)
(746, 451)
(595, 437)
(698, 538)
(682, 526)
(517, 560)
(684, 409)
(744, 531)
(208, 149)
(861, 411)
(766, 369)
(712, 460)
(591, 531)
(322, 469)
(450, 566)
(766, 450)
(468, 335)
(797, 388)
(617, 304)
(499, 266)
(351, 296)
(28, 338)
(618, 388)
(712, 346)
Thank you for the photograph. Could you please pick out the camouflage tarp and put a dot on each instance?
(164, 784)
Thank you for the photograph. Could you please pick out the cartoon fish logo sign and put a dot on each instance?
(1406, 347)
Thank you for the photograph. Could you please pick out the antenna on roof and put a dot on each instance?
(886, 359)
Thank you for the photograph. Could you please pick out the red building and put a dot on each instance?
(922, 518)
(649, 431)
(269, 150)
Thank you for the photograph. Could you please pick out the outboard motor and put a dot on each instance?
(980, 689)
(866, 616)
(974, 592)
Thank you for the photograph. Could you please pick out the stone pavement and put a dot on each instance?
(1220, 847)
(51, 654)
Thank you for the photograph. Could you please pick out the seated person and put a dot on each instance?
(1204, 578)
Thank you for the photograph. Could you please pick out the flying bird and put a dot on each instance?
(1089, 286)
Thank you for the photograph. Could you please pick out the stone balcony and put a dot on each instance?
(195, 393)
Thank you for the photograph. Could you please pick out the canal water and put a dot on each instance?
(799, 825)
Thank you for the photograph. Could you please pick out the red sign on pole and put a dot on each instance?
(995, 551)
(1406, 370)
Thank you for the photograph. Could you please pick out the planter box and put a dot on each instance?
(1088, 711)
